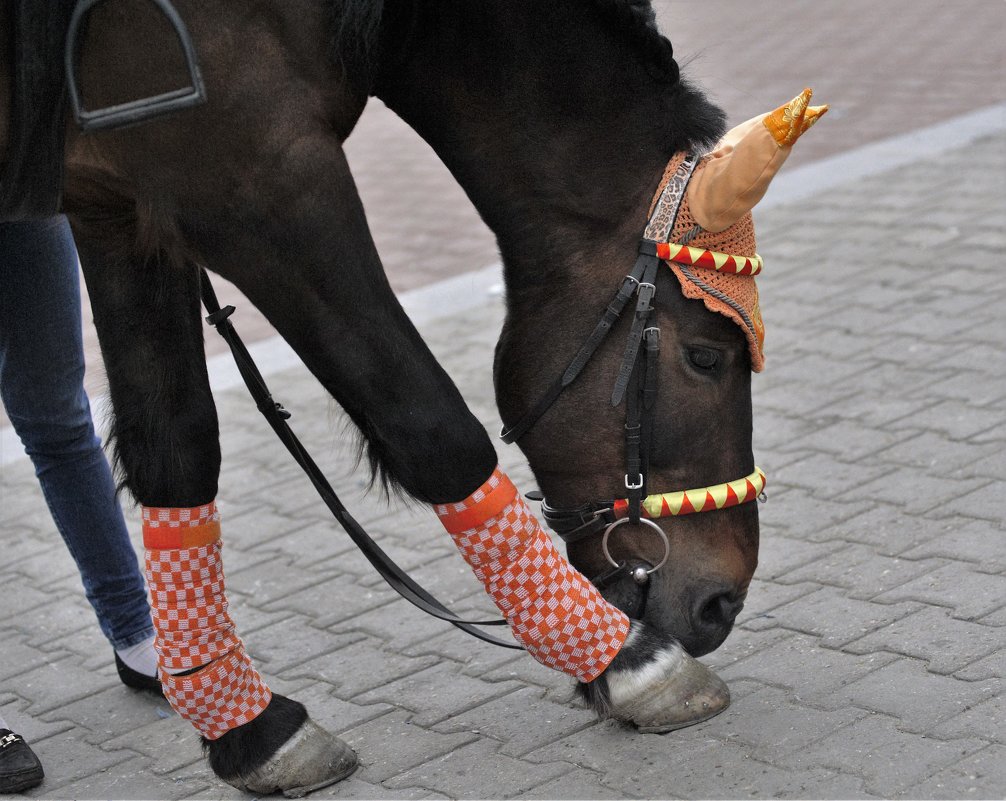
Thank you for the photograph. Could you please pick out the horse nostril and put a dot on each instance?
(721, 610)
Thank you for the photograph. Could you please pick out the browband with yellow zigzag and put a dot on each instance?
(705, 499)
(710, 259)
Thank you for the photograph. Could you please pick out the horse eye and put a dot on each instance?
(703, 358)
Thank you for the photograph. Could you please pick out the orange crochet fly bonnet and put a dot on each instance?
(710, 244)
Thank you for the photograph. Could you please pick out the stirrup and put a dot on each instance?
(134, 111)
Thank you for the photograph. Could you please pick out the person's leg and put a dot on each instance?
(41, 383)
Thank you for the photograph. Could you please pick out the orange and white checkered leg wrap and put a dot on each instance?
(192, 627)
(552, 609)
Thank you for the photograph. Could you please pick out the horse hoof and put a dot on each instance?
(311, 759)
(670, 692)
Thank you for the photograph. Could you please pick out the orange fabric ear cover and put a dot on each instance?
(715, 213)
(738, 171)
(738, 240)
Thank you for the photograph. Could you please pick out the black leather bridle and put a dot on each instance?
(638, 368)
(637, 384)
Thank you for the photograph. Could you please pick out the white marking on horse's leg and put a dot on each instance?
(633, 635)
(624, 685)
(669, 691)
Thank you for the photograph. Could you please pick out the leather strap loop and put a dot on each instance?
(644, 308)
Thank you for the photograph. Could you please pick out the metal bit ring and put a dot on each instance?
(645, 522)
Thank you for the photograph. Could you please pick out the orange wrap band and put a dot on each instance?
(180, 528)
(553, 610)
(192, 626)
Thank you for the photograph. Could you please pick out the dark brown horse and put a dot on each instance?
(557, 119)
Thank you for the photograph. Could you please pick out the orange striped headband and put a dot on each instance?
(704, 499)
(709, 259)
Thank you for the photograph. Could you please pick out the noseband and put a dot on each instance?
(637, 384)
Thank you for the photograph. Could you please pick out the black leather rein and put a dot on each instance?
(277, 417)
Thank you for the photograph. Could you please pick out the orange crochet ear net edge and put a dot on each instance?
(740, 168)
(743, 290)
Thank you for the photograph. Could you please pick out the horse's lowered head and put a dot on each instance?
(641, 438)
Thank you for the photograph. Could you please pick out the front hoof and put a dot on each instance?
(311, 759)
(671, 691)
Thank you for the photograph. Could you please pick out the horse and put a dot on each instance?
(558, 120)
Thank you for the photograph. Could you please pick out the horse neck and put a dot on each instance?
(547, 115)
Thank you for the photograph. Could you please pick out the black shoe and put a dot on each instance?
(136, 680)
(19, 767)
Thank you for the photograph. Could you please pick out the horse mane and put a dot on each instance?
(638, 21)
(355, 31)
(32, 177)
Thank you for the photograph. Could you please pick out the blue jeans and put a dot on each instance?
(41, 383)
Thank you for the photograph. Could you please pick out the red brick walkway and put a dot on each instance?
(884, 67)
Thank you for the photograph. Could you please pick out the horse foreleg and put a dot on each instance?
(298, 245)
(146, 311)
(310, 265)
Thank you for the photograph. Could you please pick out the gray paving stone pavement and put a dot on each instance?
(870, 658)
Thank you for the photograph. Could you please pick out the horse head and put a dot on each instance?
(643, 446)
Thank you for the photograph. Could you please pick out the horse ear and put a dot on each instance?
(736, 174)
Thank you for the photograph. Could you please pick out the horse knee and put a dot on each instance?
(436, 459)
(168, 455)
(147, 314)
